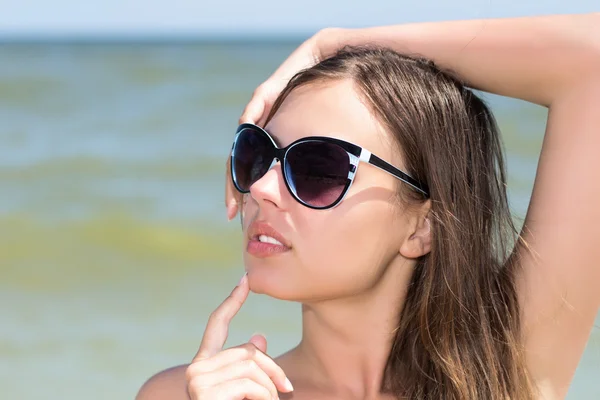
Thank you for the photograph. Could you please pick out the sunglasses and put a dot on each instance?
(318, 171)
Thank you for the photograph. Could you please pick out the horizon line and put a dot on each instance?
(153, 37)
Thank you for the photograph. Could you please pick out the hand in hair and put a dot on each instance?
(257, 109)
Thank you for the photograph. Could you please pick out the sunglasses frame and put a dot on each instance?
(356, 154)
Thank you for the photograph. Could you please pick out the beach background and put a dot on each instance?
(114, 245)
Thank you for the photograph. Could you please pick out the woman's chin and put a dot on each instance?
(269, 283)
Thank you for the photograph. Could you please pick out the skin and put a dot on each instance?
(552, 61)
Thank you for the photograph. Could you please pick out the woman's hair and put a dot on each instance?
(458, 334)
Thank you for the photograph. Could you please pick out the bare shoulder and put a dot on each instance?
(169, 384)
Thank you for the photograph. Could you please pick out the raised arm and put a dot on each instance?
(536, 59)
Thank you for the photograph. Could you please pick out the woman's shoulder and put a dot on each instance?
(167, 384)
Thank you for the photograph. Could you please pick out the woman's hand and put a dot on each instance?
(242, 372)
(306, 55)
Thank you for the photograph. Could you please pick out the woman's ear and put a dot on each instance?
(418, 243)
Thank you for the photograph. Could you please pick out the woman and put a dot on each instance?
(409, 282)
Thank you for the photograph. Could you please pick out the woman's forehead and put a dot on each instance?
(329, 109)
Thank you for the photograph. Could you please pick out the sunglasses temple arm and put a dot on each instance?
(368, 157)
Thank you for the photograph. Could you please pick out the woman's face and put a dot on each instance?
(336, 252)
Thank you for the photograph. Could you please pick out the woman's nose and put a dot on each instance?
(270, 187)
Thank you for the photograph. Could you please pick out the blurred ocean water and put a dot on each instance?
(114, 246)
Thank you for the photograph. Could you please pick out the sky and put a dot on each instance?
(249, 17)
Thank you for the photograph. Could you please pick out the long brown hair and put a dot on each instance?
(459, 334)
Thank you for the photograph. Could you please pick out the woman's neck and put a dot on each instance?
(346, 342)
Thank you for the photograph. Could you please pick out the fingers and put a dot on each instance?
(232, 196)
(217, 327)
(244, 353)
(247, 369)
(242, 372)
(259, 341)
(240, 389)
(255, 112)
(259, 107)
(255, 109)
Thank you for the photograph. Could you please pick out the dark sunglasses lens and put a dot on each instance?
(252, 157)
(317, 172)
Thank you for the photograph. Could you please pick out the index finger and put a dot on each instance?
(217, 327)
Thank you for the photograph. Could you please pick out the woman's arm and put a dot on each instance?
(535, 59)
(552, 61)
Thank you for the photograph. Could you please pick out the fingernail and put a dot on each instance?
(288, 385)
(231, 211)
(243, 280)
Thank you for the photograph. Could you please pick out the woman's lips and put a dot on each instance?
(264, 249)
(272, 242)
